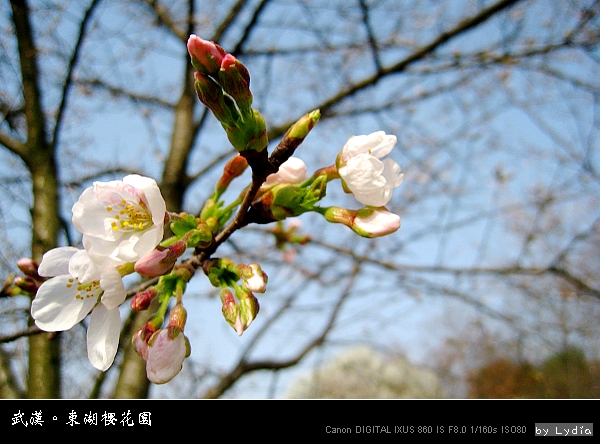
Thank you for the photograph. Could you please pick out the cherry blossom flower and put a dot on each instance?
(370, 179)
(121, 219)
(80, 285)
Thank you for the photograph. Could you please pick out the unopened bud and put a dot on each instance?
(178, 317)
(284, 200)
(249, 307)
(302, 127)
(143, 299)
(140, 343)
(230, 310)
(234, 78)
(30, 268)
(167, 350)
(232, 169)
(211, 95)
(255, 280)
(292, 171)
(160, 260)
(367, 222)
(249, 135)
(206, 56)
(27, 284)
(294, 136)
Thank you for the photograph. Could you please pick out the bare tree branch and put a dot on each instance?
(327, 105)
(68, 81)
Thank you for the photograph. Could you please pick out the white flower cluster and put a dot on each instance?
(121, 222)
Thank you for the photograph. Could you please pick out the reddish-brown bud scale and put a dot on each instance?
(142, 300)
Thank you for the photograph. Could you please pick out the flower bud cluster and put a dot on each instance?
(164, 350)
(19, 285)
(222, 83)
(238, 283)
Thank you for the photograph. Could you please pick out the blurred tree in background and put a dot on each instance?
(566, 374)
(495, 106)
(362, 373)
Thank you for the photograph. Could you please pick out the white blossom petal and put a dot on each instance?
(363, 172)
(151, 196)
(103, 336)
(391, 173)
(61, 303)
(56, 261)
(83, 268)
(377, 144)
(114, 289)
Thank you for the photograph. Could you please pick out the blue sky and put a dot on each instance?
(455, 213)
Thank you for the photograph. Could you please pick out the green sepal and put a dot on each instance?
(293, 200)
(182, 226)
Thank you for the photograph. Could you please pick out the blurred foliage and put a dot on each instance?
(566, 375)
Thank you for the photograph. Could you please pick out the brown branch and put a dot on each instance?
(68, 82)
(34, 113)
(164, 19)
(555, 270)
(12, 144)
(33, 330)
(249, 27)
(228, 20)
(364, 8)
(118, 91)
(8, 386)
(418, 55)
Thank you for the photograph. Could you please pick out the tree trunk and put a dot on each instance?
(38, 154)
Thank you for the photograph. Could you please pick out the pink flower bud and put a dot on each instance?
(30, 268)
(211, 95)
(140, 343)
(229, 63)
(229, 308)
(167, 349)
(206, 56)
(160, 260)
(142, 300)
(234, 78)
(27, 284)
